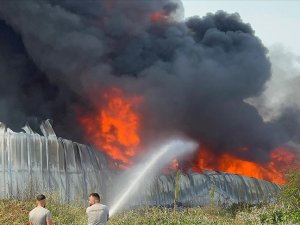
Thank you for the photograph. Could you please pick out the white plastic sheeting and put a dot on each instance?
(31, 163)
(211, 187)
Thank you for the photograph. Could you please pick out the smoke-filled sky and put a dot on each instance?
(264, 16)
(205, 76)
(275, 23)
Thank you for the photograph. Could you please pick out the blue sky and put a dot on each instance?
(274, 21)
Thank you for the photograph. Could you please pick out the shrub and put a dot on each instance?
(287, 207)
(290, 193)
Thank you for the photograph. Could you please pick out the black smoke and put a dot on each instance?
(194, 75)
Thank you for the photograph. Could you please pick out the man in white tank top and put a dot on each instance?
(97, 213)
(40, 215)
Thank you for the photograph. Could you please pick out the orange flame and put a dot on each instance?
(114, 129)
(281, 158)
(158, 16)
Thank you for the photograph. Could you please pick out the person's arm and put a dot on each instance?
(49, 222)
(29, 221)
(49, 218)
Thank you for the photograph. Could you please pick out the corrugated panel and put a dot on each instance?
(212, 187)
(31, 164)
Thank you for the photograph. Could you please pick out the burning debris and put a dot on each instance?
(120, 74)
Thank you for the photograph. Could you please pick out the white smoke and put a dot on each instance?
(282, 90)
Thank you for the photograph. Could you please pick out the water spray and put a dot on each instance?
(150, 166)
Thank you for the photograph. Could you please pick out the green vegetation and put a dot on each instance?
(177, 189)
(16, 212)
(285, 211)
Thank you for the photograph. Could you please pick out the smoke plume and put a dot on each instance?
(194, 75)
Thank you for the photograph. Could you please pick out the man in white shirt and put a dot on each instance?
(97, 213)
(40, 215)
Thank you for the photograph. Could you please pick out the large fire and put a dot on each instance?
(281, 159)
(114, 128)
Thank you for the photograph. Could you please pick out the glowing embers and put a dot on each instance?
(158, 16)
(114, 127)
(280, 159)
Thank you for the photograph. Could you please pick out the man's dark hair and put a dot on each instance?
(95, 195)
(40, 197)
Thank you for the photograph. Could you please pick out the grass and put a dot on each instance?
(16, 212)
(285, 211)
(156, 216)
